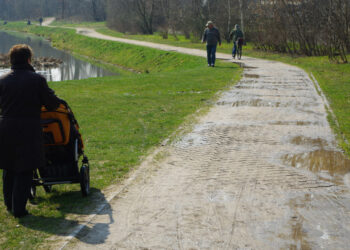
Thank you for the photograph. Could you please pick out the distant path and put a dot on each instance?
(196, 52)
(260, 171)
(48, 20)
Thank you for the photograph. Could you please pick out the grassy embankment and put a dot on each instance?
(122, 118)
(334, 79)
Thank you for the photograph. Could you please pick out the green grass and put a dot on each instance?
(135, 57)
(334, 79)
(122, 118)
(67, 23)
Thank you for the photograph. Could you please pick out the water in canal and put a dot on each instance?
(71, 68)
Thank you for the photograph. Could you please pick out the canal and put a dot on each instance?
(72, 68)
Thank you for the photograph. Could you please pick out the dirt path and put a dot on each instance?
(260, 171)
(48, 20)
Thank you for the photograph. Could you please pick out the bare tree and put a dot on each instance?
(63, 7)
(145, 10)
(94, 9)
(241, 14)
(72, 9)
(98, 9)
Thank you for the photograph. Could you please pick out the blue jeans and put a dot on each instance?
(211, 51)
(234, 49)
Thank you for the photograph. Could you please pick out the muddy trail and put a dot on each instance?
(261, 170)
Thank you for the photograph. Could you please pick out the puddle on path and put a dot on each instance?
(253, 102)
(301, 140)
(299, 234)
(298, 123)
(333, 162)
(319, 160)
(256, 103)
(243, 65)
(244, 86)
(251, 76)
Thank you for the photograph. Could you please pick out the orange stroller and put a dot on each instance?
(63, 146)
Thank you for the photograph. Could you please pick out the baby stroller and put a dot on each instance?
(63, 146)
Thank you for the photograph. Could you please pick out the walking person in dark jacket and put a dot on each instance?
(235, 35)
(22, 94)
(212, 37)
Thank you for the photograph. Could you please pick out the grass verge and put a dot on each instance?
(122, 119)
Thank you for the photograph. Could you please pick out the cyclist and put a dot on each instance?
(237, 37)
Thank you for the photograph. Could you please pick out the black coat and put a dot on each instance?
(22, 94)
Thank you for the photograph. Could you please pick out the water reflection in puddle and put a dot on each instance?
(251, 76)
(321, 159)
(71, 68)
(333, 162)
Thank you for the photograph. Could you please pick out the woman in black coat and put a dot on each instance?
(22, 94)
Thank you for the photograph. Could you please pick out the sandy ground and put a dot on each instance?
(261, 170)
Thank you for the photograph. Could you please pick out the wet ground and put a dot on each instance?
(260, 171)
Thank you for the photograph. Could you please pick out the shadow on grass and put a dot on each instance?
(66, 203)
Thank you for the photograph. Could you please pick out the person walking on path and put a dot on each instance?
(212, 37)
(237, 36)
(22, 94)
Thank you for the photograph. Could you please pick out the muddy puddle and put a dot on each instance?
(298, 234)
(298, 123)
(244, 86)
(255, 103)
(259, 102)
(243, 65)
(296, 222)
(317, 142)
(251, 76)
(321, 160)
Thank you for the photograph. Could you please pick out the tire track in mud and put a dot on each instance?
(248, 176)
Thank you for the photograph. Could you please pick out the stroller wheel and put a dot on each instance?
(85, 180)
(32, 193)
(48, 188)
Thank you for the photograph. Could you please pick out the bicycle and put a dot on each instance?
(239, 44)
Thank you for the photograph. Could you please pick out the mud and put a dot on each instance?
(297, 123)
(320, 160)
(314, 142)
(38, 62)
(248, 176)
(251, 76)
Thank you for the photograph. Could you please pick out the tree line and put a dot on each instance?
(298, 27)
(175, 16)
(79, 10)
(302, 27)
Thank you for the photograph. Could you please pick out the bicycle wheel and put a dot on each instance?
(239, 52)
